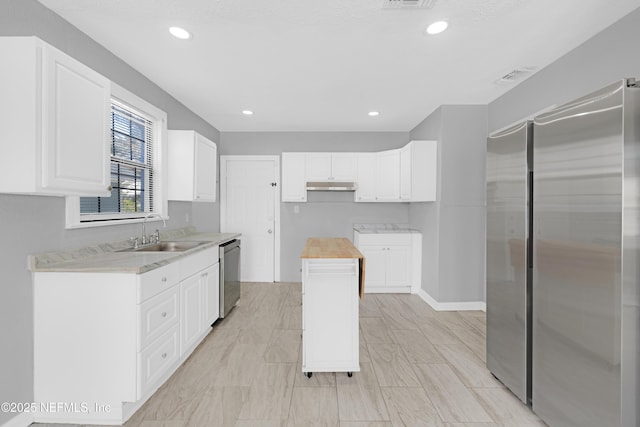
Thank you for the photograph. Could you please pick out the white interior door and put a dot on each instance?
(250, 204)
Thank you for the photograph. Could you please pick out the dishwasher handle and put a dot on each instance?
(228, 246)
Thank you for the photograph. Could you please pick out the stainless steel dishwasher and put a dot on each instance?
(229, 276)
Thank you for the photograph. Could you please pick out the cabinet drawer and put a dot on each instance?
(384, 239)
(199, 261)
(158, 280)
(332, 268)
(156, 360)
(157, 314)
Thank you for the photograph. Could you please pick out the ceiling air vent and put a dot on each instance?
(515, 75)
(408, 4)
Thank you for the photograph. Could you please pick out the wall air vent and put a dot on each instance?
(516, 75)
(408, 4)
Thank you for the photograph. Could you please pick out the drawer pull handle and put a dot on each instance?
(163, 314)
(164, 355)
(164, 279)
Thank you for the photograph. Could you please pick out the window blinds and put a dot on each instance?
(132, 143)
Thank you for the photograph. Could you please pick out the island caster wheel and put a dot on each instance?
(309, 374)
(349, 374)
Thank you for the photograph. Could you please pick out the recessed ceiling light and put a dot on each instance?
(373, 113)
(247, 112)
(437, 27)
(180, 33)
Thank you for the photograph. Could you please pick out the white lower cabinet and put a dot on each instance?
(158, 313)
(199, 296)
(191, 323)
(330, 315)
(158, 358)
(110, 340)
(393, 261)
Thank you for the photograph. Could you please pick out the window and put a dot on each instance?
(136, 130)
(131, 167)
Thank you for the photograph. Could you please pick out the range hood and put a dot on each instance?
(331, 186)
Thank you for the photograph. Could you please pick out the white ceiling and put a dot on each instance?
(321, 65)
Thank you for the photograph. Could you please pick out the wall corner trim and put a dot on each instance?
(452, 306)
(25, 419)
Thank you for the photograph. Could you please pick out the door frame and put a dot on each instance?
(276, 202)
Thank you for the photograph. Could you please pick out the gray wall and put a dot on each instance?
(31, 224)
(608, 56)
(453, 226)
(426, 216)
(324, 214)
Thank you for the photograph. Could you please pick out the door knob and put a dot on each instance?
(269, 231)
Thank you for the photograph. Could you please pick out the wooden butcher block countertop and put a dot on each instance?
(330, 247)
(335, 247)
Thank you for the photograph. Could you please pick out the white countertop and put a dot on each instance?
(107, 258)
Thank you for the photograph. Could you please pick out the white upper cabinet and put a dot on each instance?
(387, 176)
(407, 174)
(330, 166)
(343, 166)
(54, 122)
(366, 178)
(192, 167)
(294, 186)
(418, 171)
(317, 166)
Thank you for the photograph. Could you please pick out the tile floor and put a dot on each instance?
(419, 367)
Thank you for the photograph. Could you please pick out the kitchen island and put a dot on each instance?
(332, 282)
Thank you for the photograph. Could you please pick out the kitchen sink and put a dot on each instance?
(166, 247)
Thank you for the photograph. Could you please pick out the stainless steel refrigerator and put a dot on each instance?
(509, 171)
(586, 282)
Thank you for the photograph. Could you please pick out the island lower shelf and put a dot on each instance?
(331, 287)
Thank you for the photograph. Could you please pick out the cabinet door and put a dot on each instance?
(405, 173)
(211, 289)
(157, 314)
(398, 263)
(365, 180)
(294, 186)
(75, 132)
(205, 170)
(318, 166)
(387, 176)
(157, 359)
(191, 314)
(376, 266)
(343, 166)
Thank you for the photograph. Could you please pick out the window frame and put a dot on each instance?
(73, 218)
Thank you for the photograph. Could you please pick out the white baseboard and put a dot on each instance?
(452, 306)
(22, 420)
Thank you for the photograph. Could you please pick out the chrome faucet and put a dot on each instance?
(144, 229)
